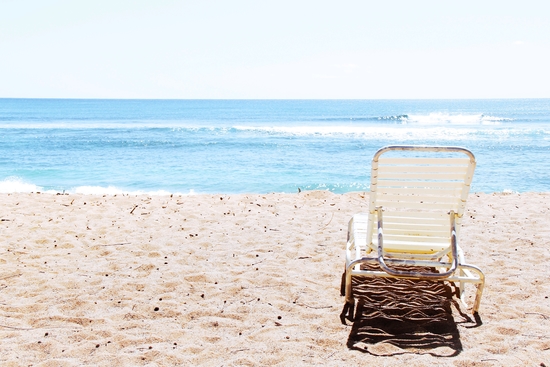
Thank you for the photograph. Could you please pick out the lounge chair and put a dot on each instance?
(417, 199)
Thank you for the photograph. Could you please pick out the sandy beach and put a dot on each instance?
(254, 280)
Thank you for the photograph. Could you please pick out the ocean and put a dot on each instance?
(258, 146)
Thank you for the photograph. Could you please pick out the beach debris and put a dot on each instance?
(116, 244)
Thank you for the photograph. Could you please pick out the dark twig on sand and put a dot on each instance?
(536, 313)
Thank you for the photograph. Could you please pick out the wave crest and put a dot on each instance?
(440, 118)
(16, 184)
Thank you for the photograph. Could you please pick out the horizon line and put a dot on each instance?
(277, 99)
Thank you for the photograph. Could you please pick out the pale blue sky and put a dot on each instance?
(274, 49)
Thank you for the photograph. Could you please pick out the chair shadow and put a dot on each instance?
(398, 316)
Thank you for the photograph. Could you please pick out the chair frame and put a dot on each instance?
(361, 234)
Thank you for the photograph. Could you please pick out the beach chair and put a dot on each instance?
(416, 204)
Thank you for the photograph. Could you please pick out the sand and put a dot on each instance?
(254, 280)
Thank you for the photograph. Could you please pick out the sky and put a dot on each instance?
(263, 49)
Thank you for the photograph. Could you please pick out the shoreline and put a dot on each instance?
(113, 192)
(245, 279)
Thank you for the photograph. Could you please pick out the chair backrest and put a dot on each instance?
(417, 187)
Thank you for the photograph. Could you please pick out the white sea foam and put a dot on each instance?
(16, 184)
(98, 190)
(112, 190)
(441, 118)
(399, 132)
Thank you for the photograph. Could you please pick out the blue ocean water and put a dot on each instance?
(258, 146)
